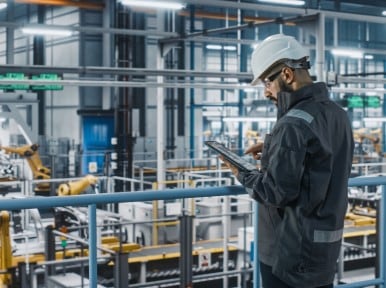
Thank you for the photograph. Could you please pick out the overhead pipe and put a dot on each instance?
(221, 16)
(35, 69)
(79, 4)
(222, 4)
(278, 20)
(154, 84)
(290, 10)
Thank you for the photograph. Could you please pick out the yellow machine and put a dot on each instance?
(362, 135)
(76, 187)
(252, 137)
(6, 251)
(31, 154)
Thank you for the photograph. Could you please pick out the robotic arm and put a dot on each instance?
(5, 249)
(77, 187)
(30, 152)
(374, 137)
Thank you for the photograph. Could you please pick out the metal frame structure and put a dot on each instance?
(93, 200)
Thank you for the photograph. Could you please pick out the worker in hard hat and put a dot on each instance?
(306, 160)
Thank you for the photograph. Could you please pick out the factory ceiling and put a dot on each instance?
(362, 7)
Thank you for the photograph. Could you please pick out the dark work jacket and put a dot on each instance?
(302, 187)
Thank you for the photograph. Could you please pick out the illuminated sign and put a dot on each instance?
(356, 101)
(21, 76)
(53, 77)
(14, 76)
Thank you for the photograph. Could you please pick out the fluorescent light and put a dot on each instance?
(384, 13)
(285, 2)
(3, 6)
(356, 123)
(369, 57)
(46, 31)
(249, 119)
(230, 48)
(347, 53)
(250, 89)
(220, 47)
(213, 47)
(374, 119)
(154, 4)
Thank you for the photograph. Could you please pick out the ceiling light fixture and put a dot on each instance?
(220, 47)
(46, 31)
(154, 4)
(374, 119)
(249, 119)
(347, 53)
(285, 2)
(3, 5)
(384, 13)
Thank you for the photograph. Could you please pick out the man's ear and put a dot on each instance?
(289, 75)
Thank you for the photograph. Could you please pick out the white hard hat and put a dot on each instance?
(272, 50)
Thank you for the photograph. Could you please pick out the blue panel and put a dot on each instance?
(97, 134)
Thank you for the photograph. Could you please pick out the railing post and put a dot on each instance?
(121, 270)
(50, 249)
(382, 231)
(256, 264)
(186, 261)
(92, 245)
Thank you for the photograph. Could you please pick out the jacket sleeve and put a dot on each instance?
(280, 179)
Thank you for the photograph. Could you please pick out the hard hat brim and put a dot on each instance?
(255, 81)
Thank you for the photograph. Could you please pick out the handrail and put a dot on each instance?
(94, 199)
(117, 197)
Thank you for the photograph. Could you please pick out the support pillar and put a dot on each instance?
(186, 258)
(121, 270)
(50, 249)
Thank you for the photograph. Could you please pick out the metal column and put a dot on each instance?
(160, 122)
(50, 249)
(186, 258)
(39, 59)
(191, 91)
(121, 270)
(320, 43)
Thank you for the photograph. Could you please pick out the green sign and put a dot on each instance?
(52, 77)
(356, 101)
(14, 76)
(373, 101)
(21, 76)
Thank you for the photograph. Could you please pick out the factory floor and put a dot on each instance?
(358, 275)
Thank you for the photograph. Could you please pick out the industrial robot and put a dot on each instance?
(76, 187)
(39, 171)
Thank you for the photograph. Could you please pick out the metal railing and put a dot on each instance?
(93, 200)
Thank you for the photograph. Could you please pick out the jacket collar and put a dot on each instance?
(286, 100)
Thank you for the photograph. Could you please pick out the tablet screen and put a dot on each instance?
(230, 156)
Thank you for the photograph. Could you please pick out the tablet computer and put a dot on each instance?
(231, 157)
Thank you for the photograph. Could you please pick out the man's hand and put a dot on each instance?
(255, 150)
(234, 170)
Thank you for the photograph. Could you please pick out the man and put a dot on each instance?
(305, 165)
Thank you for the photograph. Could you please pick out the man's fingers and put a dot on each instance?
(257, 156)
(256, 148)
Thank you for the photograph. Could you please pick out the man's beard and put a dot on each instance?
(284, 87)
